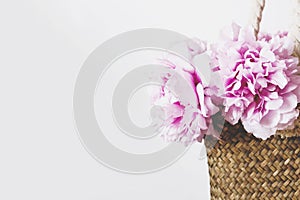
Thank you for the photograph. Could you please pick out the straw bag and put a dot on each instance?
(242, 166)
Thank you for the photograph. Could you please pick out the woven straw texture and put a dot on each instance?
(244, 167)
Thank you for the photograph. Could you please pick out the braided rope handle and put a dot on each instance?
(296, 29)
(259, 8)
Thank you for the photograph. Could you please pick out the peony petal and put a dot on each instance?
(251, 88)
(297, 93)
(273, 95)
(258, 130)
(273, 104)
(267, 54)
(272, 88)
(271, 119)
(233, 115)
(236, 31)
(249, 111)
(287, 117)
(200, 92)
(262, 82)
(288, 88)
(237, 86)
(212, 109)
(196, 46)
(202, 123)
(174, 110)
(288, 124)
(289, 103)
(278, 78)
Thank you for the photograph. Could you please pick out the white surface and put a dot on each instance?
(42, 46)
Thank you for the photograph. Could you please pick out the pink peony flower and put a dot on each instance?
(261, 80)
(188, 120)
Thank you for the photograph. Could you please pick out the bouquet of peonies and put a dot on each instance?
(260, 87)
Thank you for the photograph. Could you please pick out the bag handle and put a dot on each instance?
(295, 32)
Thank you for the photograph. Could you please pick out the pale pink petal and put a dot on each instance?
(274, 104)
(196, 46)
(271, 119)
(200, 92)
(289, 103)
(249, 111)
(279, 79)
(267, 54)
(286, 117)
(258, 130)
(288, 88)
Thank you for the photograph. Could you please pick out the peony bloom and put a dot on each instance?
(184, 120)
(260, 78)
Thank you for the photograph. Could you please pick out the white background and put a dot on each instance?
(42, 47)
